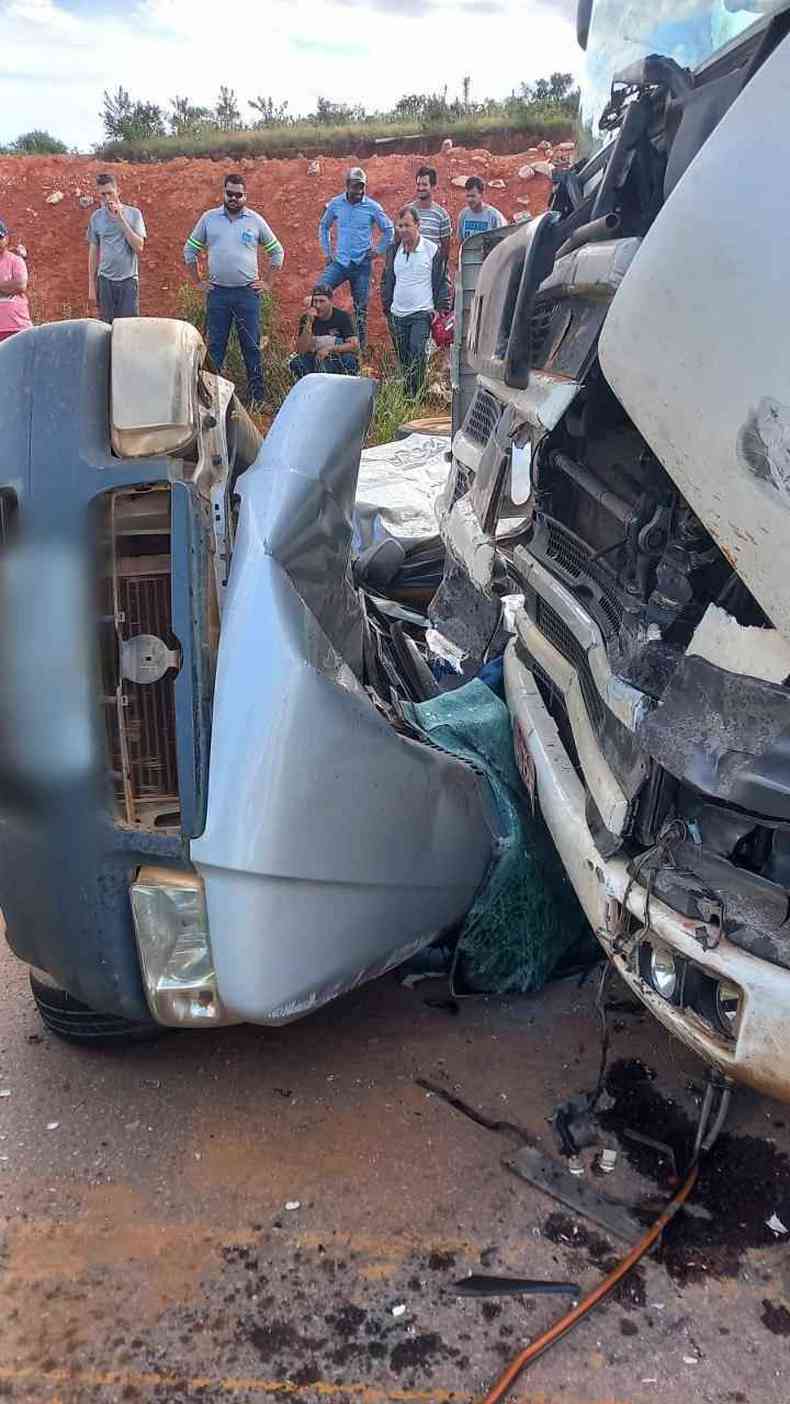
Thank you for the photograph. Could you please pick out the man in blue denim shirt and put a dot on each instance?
(354, 214)
(230, 237)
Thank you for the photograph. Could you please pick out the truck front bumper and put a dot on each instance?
(757, 1052)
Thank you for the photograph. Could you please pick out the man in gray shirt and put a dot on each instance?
(115, 237)
(230, 237)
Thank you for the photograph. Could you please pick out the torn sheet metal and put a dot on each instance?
(397, 489)
(755, 652)
(334, 846)
(725, 735)
(552, 1176)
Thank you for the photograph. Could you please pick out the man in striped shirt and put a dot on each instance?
(435, 222)
(230, 237)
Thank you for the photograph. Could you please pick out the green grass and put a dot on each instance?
(393, 406)
(535, 122)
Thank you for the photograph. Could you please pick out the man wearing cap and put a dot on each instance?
(326, 340)
(354, 214)
(14, 309)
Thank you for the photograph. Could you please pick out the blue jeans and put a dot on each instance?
(242, 305)
(357, 275)
(308, 363)
(410, 337)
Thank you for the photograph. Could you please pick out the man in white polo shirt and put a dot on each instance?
(413, 286)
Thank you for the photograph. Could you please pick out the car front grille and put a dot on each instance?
(140, 714)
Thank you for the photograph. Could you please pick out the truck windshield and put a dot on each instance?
(623, 31)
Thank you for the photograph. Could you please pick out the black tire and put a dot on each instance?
(67, 1017)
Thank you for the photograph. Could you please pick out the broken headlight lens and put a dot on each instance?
(728, 1007)
(171, 926)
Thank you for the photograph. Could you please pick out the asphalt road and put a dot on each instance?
(257, 1214)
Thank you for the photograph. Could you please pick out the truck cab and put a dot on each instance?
(620, 462)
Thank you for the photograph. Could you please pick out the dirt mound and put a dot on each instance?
(172, 195)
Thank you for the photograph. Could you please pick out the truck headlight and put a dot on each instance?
(728, 1007)
(662, 969)
(171, 926)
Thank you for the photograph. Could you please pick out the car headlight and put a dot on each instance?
(171, 926)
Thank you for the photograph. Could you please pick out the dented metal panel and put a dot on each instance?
(334, 846)
(697, 341)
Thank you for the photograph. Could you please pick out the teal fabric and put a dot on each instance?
(526, 919)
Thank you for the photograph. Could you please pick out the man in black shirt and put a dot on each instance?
(326, 340)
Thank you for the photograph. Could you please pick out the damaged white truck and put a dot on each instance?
(215, 802)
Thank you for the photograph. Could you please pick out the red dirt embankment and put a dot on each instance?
(173, 194)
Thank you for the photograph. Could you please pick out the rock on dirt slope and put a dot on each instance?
(173, 194)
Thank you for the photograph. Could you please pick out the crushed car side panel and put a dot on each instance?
(334, 845)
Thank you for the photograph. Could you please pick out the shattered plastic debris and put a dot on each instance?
(292, 1204)
(399, 1310)
(775, 1225)
(445, 649)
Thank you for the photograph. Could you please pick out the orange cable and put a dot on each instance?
(570, 1319)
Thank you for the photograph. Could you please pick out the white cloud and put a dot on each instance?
(55, 62)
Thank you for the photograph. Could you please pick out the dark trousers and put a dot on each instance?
(307, 363)
(410, 336)
(118, 297)
(224, 306)
(357, 275)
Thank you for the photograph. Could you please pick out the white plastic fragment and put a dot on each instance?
(607, 1161)
(292, 1204)
(399, 1310)
(775, 1224)
(690, 1360)
(5, 1092)
(575, 1166)
(53, 1125)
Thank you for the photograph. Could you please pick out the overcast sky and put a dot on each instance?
(57, 56)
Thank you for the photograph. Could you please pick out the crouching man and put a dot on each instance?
(414, 286)
(326, 340)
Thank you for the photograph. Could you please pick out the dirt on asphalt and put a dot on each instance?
(253, 1214)
(173, 194)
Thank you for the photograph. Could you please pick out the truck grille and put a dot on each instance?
(566, 643)
(140, 714)
(484, 414)
(572, 558)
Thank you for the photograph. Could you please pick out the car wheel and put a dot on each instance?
(67, 1017)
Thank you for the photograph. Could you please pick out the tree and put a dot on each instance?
(560, 85)
(335, 114)
(38, 143)
(226, 112)
(128, 119)
(270, 113)
(186, 117)
(410, 107)
(466, 82)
